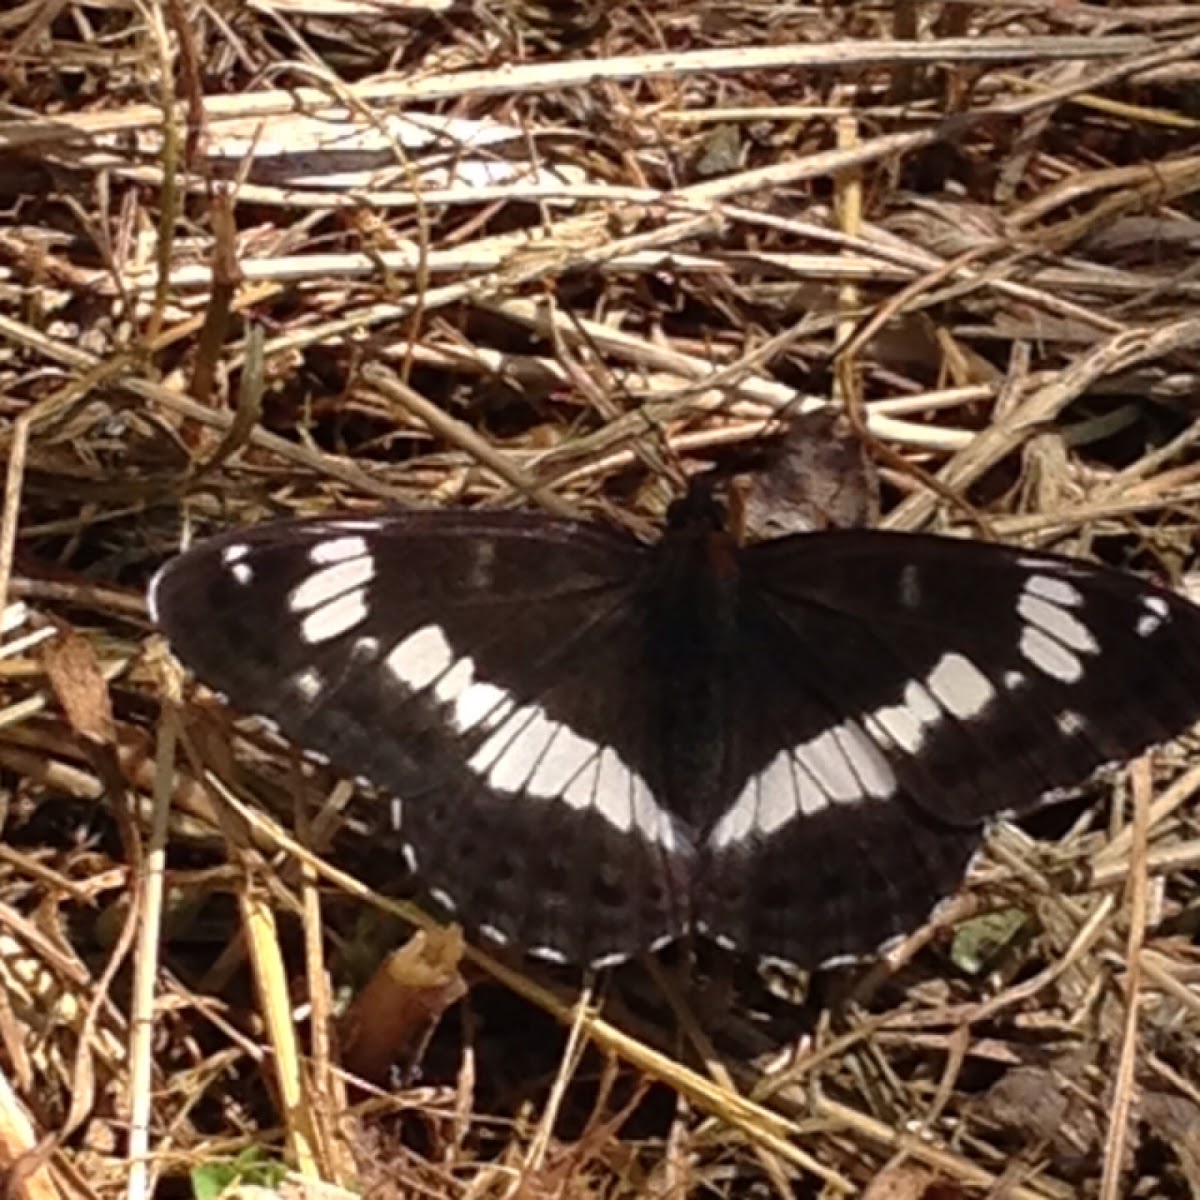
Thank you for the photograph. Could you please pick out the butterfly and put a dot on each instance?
(588, 746)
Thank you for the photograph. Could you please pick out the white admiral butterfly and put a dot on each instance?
(594, 746)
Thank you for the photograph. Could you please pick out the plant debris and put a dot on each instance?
(287, 258)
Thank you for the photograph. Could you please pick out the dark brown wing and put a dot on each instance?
(476, 668)
(897, 691)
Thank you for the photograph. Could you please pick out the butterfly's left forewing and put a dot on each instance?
(473, 667)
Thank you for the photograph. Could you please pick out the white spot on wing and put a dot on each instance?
(907, 723)
(494, 934)
(874, 773)
(1050, 656)
(481, 564)
(843, 764)
(1155, 611)
(418, 660)
(564, 756)
(656, 824)
(961, 688)
(527, 753)
(357, 524)
(1057, 591)
(1069, 722)
(336, 550)
(326, 585)
(1057, 622)
(242, 572)
(234, 552)
(910, 586)
(481, 704)
(335, 618)
(824, 759)
(612, 799)
(738, 821)
(1051, 567)
(396, 813)
(773, 798)
(510, 753)
(454, 683)
(604, 961)
(308, 683)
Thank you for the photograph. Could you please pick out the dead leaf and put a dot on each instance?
(908, 1181)
(78, 682)
(393, 1017)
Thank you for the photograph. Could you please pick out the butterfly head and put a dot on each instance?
(699, 511)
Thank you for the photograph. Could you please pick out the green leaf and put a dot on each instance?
(213, 1179)
(979, 941)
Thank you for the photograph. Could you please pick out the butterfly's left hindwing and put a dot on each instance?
(476, 670)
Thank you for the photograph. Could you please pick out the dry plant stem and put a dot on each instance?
(1133, 53)
(957, 1045)
(1149, 464)
(1164, 860)
(1160, 972)
(761, 1126)
(720, 1075)
(28, 1176)
(952, 1166)
(1051, 526)
(773, 395)
(226, 278)
(327, 1085)
(22, 710)
(1117, 855)
(149, 906)
(849, 212)
(247, 413)
(1092, 930)
(1130, 188)
(568, 1064)
(18, 446)
(326, 465)
(270, 976)
(301, 1128)
(463, 436)
(900, 302)
(83, 1069)
(1118, 353)
(169, 198)
(1124, 1083)
(490, 253)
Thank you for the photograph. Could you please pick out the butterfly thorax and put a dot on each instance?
(693, 636)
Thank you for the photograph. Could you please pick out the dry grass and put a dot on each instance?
(284, 257)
